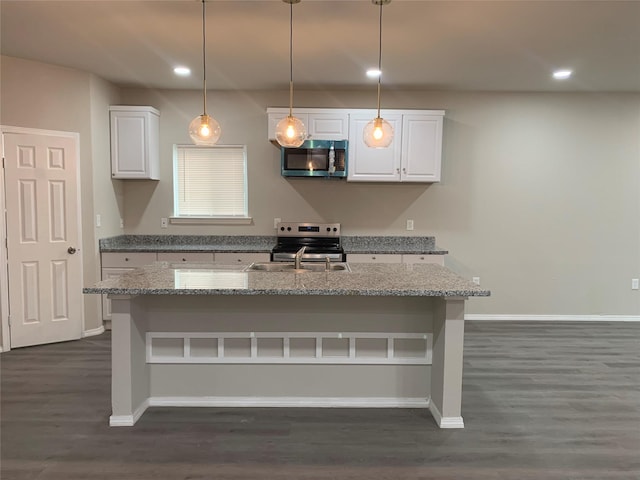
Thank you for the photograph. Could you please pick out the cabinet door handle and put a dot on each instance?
(404, 170)
(397, 170)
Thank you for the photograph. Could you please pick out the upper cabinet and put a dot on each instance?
(135, 142)
(322, 124)
(414, 155)
(368, 164)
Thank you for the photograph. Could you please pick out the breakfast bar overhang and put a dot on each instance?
(381, 335)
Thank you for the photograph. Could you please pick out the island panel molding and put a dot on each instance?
(359, 348)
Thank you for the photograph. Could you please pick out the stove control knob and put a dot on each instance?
(282, 229)
(288, 229)
(328, 229)
(335, 229)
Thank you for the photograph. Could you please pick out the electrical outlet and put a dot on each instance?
(635, 283)
(98, 220)
(276, 221)
(476, 280)
(409, 224)
(121, 223)
(164, 222)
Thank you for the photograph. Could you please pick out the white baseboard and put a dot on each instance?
(322, 402)
(552, 318)
(445, 422)
(93, 331)
(128, 420)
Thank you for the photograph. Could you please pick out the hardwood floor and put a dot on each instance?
(540, 401)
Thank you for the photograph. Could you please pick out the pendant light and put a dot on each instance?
(378, 133)
(204, 130)
(290, 131)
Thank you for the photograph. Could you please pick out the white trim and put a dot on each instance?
(4, 266)
(552, 318)
(129, 420)
(445, 422)
(93, 332)
(320, 402)
(210, 220)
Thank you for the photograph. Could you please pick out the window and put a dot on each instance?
(210, 184)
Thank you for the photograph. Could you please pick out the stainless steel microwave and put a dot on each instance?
(316, 158)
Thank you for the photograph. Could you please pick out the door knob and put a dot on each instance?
(71, 250)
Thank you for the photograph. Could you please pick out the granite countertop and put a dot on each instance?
(164, 278)
(262, 244)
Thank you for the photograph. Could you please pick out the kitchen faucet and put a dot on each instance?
(299, 257)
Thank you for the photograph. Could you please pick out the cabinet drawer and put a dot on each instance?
(374, 258)
(229, 258)
(127, 259)
(203, 257)
(439, 259)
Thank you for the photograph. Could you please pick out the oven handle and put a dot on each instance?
(313, 257)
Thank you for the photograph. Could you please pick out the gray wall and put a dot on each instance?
(37, 95)
(539, 193)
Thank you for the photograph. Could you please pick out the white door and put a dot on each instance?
(43, 238)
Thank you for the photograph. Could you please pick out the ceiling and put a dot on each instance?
(435, 45)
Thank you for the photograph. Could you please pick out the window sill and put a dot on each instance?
(211, 220)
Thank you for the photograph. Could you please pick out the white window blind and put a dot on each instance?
(210, 181)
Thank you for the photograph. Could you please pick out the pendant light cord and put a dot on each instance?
(290, 59)
(379, 58)
(204, 60)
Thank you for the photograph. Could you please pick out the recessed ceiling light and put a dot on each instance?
(373, 73)
(182, 71)
(562, 74)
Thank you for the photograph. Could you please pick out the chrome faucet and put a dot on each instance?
(299, 257)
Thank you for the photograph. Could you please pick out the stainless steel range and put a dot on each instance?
(320, 241)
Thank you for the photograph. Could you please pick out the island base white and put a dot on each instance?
(359, 377)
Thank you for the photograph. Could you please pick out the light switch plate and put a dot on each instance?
(409, 224)
(635, 283)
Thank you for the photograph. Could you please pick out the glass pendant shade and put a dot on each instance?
(291, 132)
(204, 130)
(378, 133)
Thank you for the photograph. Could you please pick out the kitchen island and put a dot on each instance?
(380, 335)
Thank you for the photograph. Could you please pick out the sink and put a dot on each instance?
(304, 267)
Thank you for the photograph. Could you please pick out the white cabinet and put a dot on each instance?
(414, 155)
(322, 124)
(373, 164)
(374, 258)
(179, 257)
(421, 148)
(115, 264)
(235, 258)
(394, 258)
(135, 142)
(437, 259)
